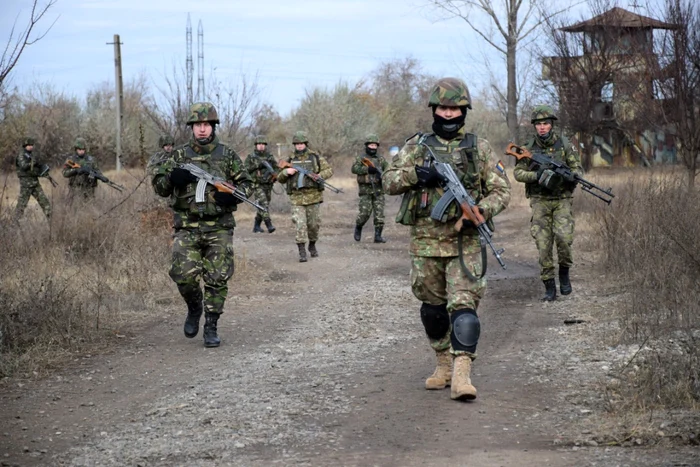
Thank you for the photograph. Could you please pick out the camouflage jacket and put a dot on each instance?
(77, 179)
(29, 164)
(560, 149)
(480, 175)
(310, 191)
(260, 174)
(217, 159)
(156, 159)
(369, 183)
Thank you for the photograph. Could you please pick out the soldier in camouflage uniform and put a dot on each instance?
(369, 180)
(449, 298)
(203, 238)
(29, 169)
(551, 198)
(261, 165)
(306, 201)
(166, 144)
(81, 182)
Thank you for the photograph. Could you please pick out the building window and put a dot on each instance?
(606, 93)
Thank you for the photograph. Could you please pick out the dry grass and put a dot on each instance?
(649, 243)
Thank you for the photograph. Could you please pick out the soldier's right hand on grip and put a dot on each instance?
(371, 170)
(428, 177)
(181, 177)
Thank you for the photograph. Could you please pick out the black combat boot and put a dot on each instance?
(551, 290)
(312, 250)
(194, 312)
(211, 339)
(270, 228)
(358, 233)
(256, 227)
(378, 234)
(302, 252)
(564, 281)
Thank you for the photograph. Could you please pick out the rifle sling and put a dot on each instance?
(484, 258)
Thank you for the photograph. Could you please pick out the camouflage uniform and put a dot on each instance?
(306, 201)
(263, 177)
(161, 155)
(81, 183)
(450, 299)
(370, 189)
(202, 247)
(552, 219)
(29, 169)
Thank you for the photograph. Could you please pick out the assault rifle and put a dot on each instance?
(455, 192)
(205, 178)
(269, 168)
(45, 173)
(368, 163)
(93, 173)
(562, 170)
(307, 173)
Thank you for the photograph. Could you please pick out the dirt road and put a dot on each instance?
(322, 363)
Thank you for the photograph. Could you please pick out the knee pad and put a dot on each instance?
(436, 320)
(466, 329)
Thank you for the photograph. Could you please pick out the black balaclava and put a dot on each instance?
(448, 129)
(370, 151)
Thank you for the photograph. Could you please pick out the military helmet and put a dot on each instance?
(542, 112)
(450, 92)
(28, 141)
(165, 140)
(80, 144)
(260, 139)
(203, 112)
(372, 138)
(299, 137)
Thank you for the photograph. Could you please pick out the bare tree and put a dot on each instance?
(168, 110)
(18, 41)
(237, 104)
(514, 23)
(680, 83)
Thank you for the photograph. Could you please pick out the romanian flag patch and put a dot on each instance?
(501, 168)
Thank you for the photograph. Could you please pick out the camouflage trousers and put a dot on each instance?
(81, 193)
(28, 187)
(439, 280)
(552, 223)
(263, 195)
(207, 256)
(368, 203)
(307, 221)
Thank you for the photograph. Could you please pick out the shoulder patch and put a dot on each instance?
(501, 168)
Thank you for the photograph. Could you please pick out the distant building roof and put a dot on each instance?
(619, 18)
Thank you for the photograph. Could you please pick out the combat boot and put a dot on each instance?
(462, 388)
(358, 233)
(270, 228)
(302, 252)
(256, 227)
(211, 339)
(378, 234)
(442, 376)
(550, 293)
(194, 313)
(312, 250)
(564, 281)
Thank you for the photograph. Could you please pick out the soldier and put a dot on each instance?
(80, 179)
(369, 168)
(261, 165)
(166, 143)
(29, 169)
(551, 197)
(450, 298)
(306, 200)
(202, 246)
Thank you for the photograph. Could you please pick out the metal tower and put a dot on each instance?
(200, 62)
(189, 66)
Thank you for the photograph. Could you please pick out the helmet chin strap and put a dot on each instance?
(208, 139)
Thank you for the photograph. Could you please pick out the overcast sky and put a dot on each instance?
(292, 45)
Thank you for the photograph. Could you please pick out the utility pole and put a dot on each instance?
(201, 95)
(119, 95)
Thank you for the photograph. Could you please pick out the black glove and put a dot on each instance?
(570, 177)
(372, 170)
(225, 199)
(428, 177)
(181, 177)
(83, 170)
(548, 178)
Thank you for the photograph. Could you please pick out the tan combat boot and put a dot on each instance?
(442, 375)
(462, 388)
